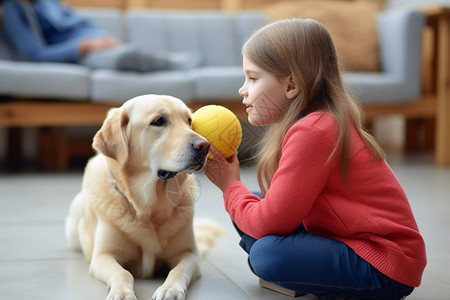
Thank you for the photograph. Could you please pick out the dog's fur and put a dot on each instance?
(135, 209)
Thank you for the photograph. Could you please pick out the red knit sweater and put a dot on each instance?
(370, 213)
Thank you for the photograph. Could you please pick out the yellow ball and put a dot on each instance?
(220, 127)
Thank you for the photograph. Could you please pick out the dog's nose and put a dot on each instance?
(201, 145)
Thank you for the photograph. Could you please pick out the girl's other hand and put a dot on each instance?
(221, 171)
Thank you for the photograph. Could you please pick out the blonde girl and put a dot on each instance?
(331, 219)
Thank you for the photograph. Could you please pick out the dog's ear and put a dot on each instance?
(111, 140)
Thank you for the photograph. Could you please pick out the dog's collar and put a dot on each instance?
(116, 187)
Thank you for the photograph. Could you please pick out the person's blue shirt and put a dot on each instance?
(61, 28)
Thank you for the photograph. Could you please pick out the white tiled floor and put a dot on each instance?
(35, 264)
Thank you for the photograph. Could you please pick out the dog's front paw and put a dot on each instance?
(121, 295)
(169, 293)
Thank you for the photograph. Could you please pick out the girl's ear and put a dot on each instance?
(291, 88)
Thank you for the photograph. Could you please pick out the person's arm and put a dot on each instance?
(303, 172)
(23, 39)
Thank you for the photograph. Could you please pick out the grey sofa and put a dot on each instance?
(214, 36)
(217, 38)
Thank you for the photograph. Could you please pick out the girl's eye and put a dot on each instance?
(158, 122)
(252, 79)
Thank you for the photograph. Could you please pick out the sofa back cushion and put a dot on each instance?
(109, 19)
(213, 35)
(246, 23)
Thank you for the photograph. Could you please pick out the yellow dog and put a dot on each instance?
(135, 210)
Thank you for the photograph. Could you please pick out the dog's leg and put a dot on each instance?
(120, 282)
(106, 268)
(179, 278)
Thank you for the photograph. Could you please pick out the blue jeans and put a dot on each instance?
(312, 264)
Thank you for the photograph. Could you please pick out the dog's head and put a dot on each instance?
(152, 132)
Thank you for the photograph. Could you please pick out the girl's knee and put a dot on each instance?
(266, 259)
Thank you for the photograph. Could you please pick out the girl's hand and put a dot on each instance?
(222, 171)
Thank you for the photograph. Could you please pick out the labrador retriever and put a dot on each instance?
(135, 209)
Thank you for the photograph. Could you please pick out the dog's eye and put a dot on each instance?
(160, 121)
(190, 121)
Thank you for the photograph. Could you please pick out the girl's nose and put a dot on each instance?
(242, 91)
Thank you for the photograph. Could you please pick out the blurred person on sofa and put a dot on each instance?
(50, 31)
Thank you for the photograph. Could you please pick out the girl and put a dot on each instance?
(332, 219)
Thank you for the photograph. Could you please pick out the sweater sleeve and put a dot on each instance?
(23, 40)
(302, 173)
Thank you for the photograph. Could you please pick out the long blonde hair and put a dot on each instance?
(304, 50)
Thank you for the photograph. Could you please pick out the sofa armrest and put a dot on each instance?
(400, 36)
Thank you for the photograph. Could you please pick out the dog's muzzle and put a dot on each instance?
(198, 151)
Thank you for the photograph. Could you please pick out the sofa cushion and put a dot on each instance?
(109, 19)
(351, 24)
(208, 34)
(217, 83)
(245, 24)
(44, 80)
(115, 86)
(218, 40)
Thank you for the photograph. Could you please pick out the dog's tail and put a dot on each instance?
(207, 232)
(72, 221)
